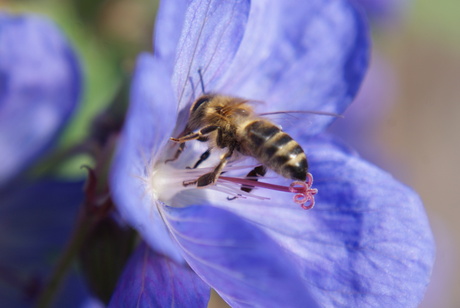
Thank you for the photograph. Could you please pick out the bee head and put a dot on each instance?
(198, 111)
(201, 102)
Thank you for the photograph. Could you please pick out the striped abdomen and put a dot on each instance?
(275, 149)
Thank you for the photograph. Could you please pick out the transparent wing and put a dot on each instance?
(310, 112)
(289, 118)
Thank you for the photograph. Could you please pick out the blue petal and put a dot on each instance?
(35, 222)
(374, 225)
(148, 126)
(168, 26)
(300, 55)
(210, 38)
(245, 266)
(366, 243)
(39, 90)
(152, 280)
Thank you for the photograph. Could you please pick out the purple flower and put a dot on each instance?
(39, 89)
(367, 242)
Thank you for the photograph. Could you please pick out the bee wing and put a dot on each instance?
(288, 118)
(304, 112)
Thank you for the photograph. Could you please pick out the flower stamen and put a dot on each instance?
(304, 194)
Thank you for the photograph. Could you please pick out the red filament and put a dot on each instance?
(304, 194)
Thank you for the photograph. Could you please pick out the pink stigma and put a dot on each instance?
(304, 194)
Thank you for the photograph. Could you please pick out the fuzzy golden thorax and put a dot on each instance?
(219, 110)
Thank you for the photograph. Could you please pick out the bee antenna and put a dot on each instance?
(191, 83)
(201, 80)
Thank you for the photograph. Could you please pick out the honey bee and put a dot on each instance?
(231, 123)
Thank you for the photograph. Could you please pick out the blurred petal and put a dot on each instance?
(148, 126)
(26, 210)
(210, 38)
(237, 259)
(383, 10)
(365, 116)
(152, 280)
(39, 89)
(35, 222)
(168, 26)
(299, 55)
(92, 303)
(367, 242)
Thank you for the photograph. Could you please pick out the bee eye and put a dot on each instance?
(199, 102)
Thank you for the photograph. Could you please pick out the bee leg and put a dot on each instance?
(199, 134)
(258, 171)
(203, 157)
(178, 152)
(211, 177)
(181, 148)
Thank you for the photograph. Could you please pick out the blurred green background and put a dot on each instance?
(419, 133)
